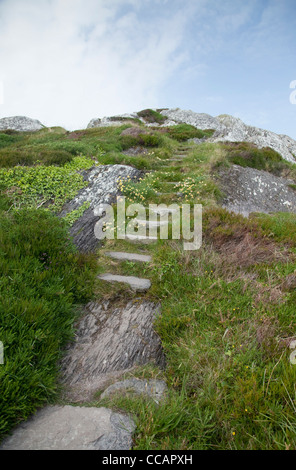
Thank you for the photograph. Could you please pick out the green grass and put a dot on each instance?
(43, 280)
(231, 384)
(280, 226)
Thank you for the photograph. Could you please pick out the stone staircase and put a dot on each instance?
(140, 284)
(110, 340)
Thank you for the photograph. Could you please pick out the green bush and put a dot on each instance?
(42, 279)
(29, 156)
(151, 116)
(34, 186)
(183, 132)
(248, 155)
(142, 140)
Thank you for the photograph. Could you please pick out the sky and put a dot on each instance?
(65, 62)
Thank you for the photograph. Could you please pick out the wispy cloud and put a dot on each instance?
(66, 61)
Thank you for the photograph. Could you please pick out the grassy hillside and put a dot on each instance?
(228, 309)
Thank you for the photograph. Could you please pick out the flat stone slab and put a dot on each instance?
(163, 210)
(110, 339)
(124, 256)
(73, 428)
(152, 223)
(136, 283)
(140, 238)
(154, 389)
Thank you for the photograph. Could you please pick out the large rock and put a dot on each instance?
(249, 190)
(72, 428)
(102, 189)
(111, 339)
(21, 124)
(117, 120)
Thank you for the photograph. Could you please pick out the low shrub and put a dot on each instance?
(183, 132)
(151, 116)
(144, 140)
(33, 187)
(248, 155)
(30, 156)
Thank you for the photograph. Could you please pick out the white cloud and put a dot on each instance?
(67, 61)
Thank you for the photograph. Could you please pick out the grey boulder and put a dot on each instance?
(21, 124)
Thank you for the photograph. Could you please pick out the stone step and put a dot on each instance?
(159, 193)
(140, 239)
(171, 194)
(124, 256)
(136, 283)
(164, 210)
(151, 223)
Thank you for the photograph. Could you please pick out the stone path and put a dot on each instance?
(110, 339)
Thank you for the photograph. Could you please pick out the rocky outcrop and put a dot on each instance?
(102, 189)
(227, 129)
(231, 129)
(249, 190)
(117, 120)
(21, 124)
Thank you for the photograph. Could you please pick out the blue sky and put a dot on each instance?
(65, 62)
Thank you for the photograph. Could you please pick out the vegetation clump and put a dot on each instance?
(183, 132)
(151, 116)
(248, 155)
